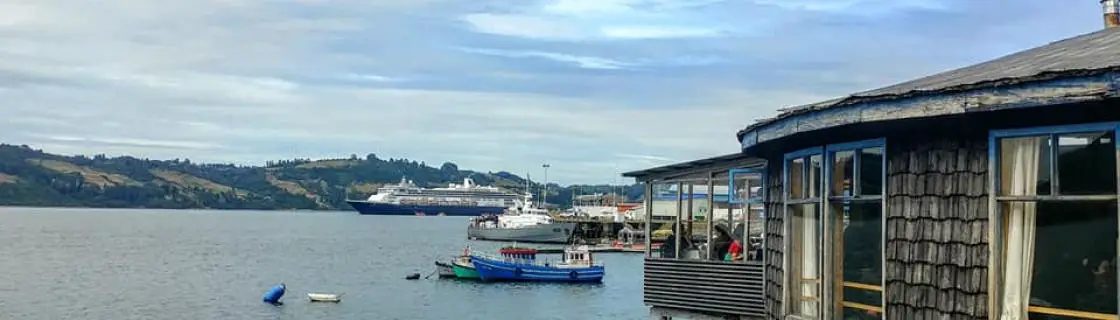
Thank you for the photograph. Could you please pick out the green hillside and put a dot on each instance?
(30, 177)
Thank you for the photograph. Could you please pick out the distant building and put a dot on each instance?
(986, 192)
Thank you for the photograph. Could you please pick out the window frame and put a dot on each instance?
(787, 225)
(761, 199)
(856, 196)
(694, 181)
(996, 237)
(761, 171)
(823, 200)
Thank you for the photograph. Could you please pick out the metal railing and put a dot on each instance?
(705, 286)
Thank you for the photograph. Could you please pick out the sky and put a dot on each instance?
(591, 87)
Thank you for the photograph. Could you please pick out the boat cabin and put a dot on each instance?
(515, 253)
(578, 256)
(986, 192)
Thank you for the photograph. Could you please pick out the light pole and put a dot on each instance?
(544, 191)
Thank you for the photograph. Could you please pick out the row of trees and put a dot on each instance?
(253, 187)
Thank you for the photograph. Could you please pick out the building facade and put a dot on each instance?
(986, 192)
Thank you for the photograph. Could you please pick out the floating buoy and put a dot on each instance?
(273, 295)
(413, 276)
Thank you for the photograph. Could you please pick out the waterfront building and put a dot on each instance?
(986, 192)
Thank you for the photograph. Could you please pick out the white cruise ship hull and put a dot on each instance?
(560, 233)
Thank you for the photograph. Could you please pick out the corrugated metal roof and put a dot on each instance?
(735, 158)
(1097, 51)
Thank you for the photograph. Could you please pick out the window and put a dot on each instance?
(855, 223)
(804, 227)
(699, 215)
(693, 226)
(724, 221)
(663, 203)
(1055, 210)
(834, 209)
(746, 198)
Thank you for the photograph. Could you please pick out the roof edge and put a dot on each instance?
(1046, 88)
(716, 162)
(857, 99)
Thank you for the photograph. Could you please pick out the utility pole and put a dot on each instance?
(544, 191)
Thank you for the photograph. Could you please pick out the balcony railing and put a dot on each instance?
(705, 286)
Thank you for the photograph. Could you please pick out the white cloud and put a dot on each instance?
(131, 142)
(855, 6)
(570, 20)
(250, 81)
(371, 77)
(657, 32)
(580, 61)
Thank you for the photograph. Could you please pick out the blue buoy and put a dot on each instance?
(273, 295)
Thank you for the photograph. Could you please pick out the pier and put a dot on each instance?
(636, 248)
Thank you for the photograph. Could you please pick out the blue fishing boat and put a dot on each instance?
(522, 265)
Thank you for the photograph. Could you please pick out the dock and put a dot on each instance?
(637, 248)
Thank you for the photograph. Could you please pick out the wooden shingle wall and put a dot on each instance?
(937, 243)
(774, 242)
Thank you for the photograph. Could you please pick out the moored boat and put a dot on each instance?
(463, 268)
(445, 269)
(522, 265)
(523, 222)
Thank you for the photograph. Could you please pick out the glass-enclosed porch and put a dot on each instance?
(704, 242)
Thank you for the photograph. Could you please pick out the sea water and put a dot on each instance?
(209, 264)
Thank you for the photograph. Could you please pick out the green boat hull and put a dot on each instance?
(464, 272)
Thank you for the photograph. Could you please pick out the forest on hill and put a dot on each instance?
(31, 177)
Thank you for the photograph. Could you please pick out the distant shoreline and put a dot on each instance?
(168, 209)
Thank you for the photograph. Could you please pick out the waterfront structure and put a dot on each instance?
(986, 192)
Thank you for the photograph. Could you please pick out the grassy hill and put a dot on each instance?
(30, 177)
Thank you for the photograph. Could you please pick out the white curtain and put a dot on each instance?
(1022, 157)
(810, 261)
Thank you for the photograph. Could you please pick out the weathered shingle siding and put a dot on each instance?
(774, 238)
(937, 219)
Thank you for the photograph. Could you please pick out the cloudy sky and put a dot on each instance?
(593, 87)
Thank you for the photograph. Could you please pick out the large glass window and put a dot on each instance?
(694, 225)
(855, 211)
(662, 223)
(834, 210)
(805, 251)
(1056, 208)
(804, 227)
(722, 221)
(747, 212)
(701, 216)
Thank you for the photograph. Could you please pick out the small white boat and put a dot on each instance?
(324, 297)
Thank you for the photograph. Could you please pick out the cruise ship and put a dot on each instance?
(405, 198)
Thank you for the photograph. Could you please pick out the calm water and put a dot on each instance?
(163, 264)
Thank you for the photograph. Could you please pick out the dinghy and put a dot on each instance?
(445, 270)
(324, 297)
